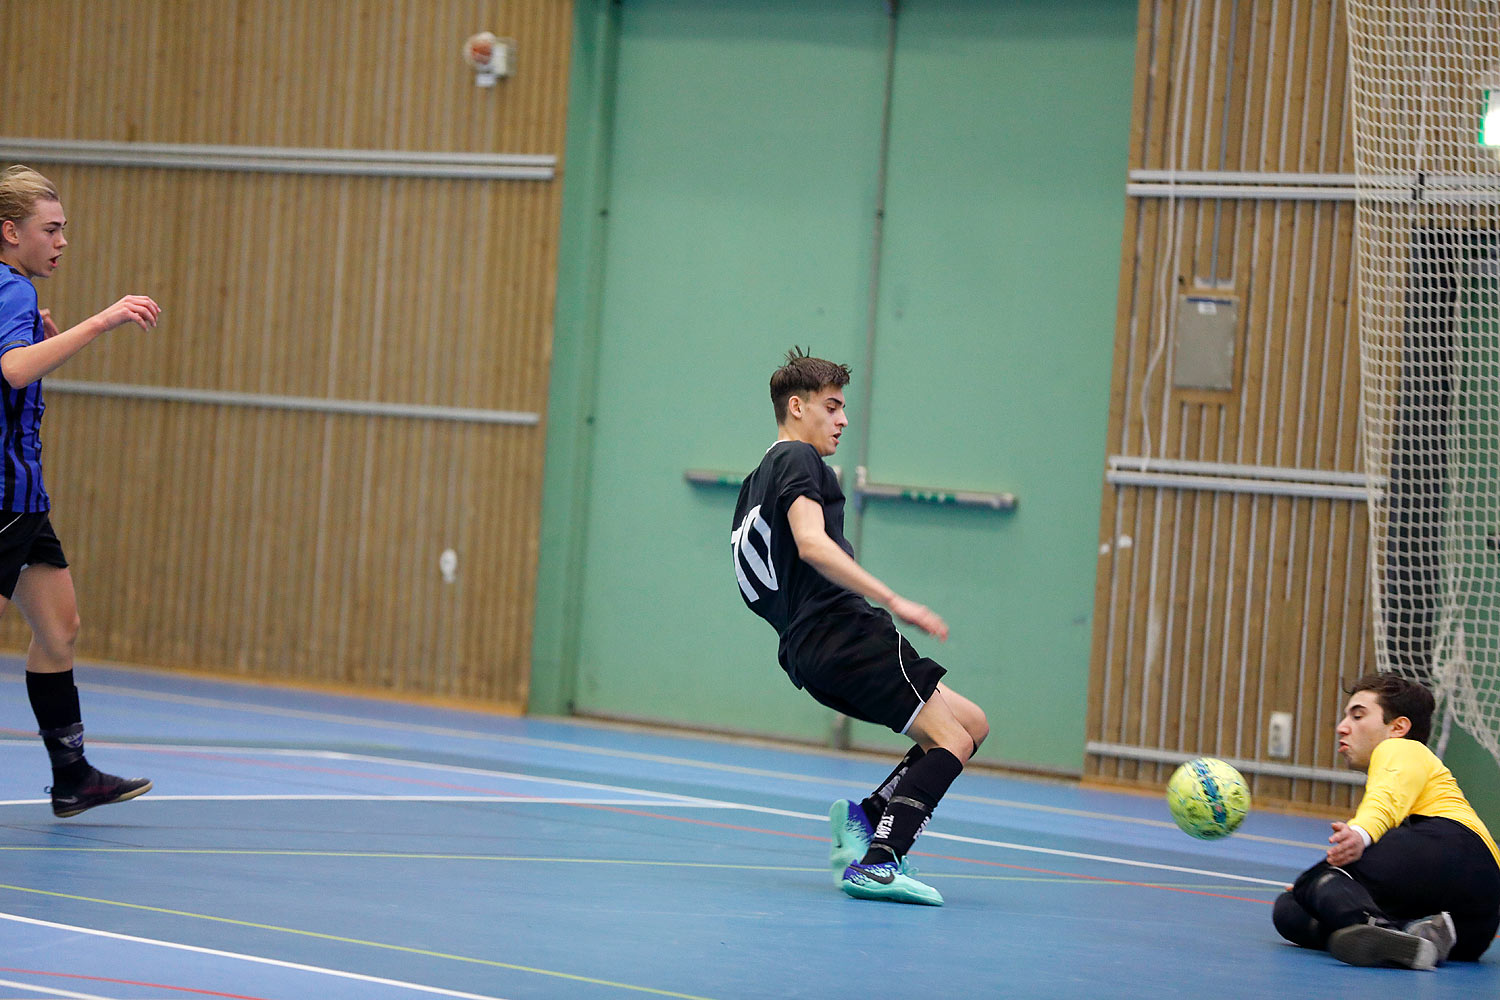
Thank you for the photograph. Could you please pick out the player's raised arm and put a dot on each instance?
(822, 553)
(34, 571)
(25, 365)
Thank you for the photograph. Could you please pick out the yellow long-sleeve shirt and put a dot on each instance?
(1407, 779)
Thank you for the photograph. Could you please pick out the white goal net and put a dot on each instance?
(1423, 76)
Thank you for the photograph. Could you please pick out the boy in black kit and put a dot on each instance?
(796, 571)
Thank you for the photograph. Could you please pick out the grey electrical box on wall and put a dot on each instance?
(1203, 354)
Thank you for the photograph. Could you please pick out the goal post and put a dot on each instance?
(1424, 89)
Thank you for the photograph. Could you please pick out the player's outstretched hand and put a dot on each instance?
(921, 616)
(137, 309)
(1348, 846)
(49, 325)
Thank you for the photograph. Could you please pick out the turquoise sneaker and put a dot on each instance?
(851, 836)
(888, 881)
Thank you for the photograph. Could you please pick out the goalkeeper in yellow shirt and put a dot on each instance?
(1413, 879)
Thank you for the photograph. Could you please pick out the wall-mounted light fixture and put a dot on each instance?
(491, 58)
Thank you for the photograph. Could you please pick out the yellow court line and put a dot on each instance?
(396, 856)
(535, 859)
(1116, 818)
(368, 944)
(1107, 882)
(656, 758)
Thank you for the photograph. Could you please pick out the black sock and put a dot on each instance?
(915, 797)
(874, 804)
(54, 701)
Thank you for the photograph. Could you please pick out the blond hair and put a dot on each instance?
(20, 189)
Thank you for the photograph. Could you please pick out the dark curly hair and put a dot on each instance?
(1397, 697)
(803, 375)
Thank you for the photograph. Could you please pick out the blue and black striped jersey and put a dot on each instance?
(21, 488)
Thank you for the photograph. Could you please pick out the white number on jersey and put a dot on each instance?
(746, 557)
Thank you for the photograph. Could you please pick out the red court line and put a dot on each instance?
(132, 982)
(942, 857)
(700, 822)
(337, 772)
(1095, 878)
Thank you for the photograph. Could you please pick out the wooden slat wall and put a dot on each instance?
(1224, 607)
(298, 546)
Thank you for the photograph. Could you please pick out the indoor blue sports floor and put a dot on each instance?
(304, 846)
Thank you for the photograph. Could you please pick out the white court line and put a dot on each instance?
(278, 963)
(687, 762)
(690, 801)
(1028, 848)
(471, 734)
(420, 765)
(33, 988)
(724, 804)
(496, 798)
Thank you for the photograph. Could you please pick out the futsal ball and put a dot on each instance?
(1208, 798)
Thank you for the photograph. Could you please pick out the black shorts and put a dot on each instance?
(856, 662)
(1429, 864)
(26, 540)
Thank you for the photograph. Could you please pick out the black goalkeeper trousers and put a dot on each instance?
(1426, 865)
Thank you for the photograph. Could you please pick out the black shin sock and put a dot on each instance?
(915, 796)
(874, 804)
(54, 701)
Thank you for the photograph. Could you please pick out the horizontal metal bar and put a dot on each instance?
(1267, 768)
(304, 404)
(712, 477)
(1131, 463)
(716, 477)
(931, 494)
(1244, 191)
(1441, 189)
(1443, 196)
(1265, 177)
(1225, 484)
(278, 159)
(1432, 182)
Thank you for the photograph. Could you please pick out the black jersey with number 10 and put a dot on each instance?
(774, 581)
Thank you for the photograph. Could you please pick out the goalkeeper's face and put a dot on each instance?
(1363, 728)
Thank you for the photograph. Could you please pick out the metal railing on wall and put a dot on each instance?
(1268, 768)
(1226, 477)
(301, 404)
(282, 159)
(864, 490)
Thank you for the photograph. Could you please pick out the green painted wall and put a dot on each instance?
(720, 183)
(575, 343)
(1478, 775)
(741, 181)
(720, 193)
(1006, 204)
